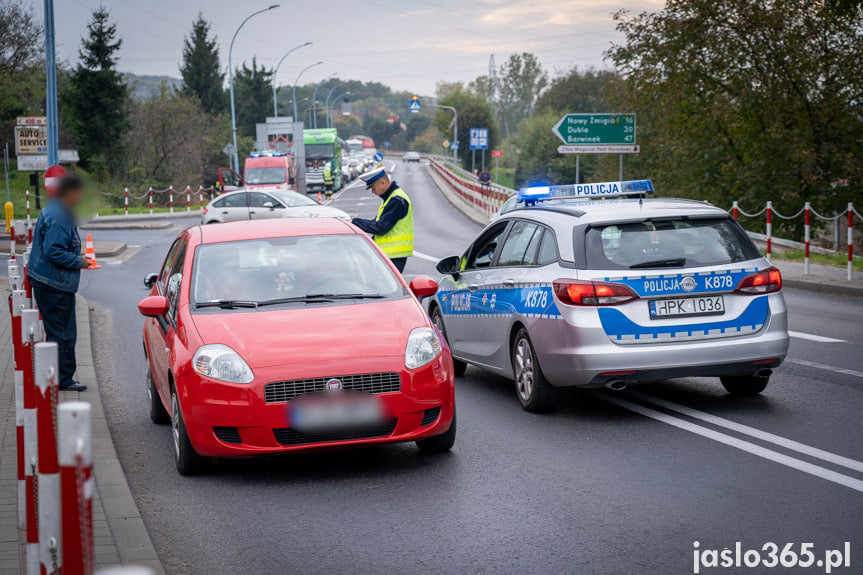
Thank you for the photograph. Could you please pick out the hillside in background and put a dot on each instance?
(143, 86)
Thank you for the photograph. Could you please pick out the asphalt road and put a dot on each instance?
(610, 483)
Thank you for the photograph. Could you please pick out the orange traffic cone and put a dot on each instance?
(319, 196)
(91, 253)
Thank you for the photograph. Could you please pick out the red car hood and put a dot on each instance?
(315, 333)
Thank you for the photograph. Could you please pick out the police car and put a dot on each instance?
(595, 285)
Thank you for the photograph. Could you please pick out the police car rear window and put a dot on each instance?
(667, 243)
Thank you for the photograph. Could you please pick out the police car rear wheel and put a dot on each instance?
(744, 385)
(534, 392)
(459, 367)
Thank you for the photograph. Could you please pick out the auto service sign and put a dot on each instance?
(31, 140)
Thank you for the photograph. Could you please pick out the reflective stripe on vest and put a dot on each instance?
(399, 241)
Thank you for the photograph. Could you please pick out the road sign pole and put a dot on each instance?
(483, 159)
(51, 85)
(577, 167)
(621, 167)
(473, 161)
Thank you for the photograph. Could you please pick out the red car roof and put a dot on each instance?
(272, 228)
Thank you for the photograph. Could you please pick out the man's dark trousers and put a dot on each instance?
(57, 309)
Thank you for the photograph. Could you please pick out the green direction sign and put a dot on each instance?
(594, 129)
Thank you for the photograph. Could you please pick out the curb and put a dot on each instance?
(132, 225)
(825, 288)
(144, 217)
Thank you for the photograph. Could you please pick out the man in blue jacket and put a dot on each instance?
(54, 271)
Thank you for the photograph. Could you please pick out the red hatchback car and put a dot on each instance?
(267, 337)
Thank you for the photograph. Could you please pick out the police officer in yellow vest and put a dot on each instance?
(393, 228)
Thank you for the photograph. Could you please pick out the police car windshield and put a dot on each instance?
(289, 270)
(273, 175)
(667, 243)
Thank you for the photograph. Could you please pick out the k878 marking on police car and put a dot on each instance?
(692, 283)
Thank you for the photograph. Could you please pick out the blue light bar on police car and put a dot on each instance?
(541, 193)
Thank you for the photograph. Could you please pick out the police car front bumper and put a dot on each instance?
(584, 356)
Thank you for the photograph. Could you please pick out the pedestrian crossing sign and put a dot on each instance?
(415, 104)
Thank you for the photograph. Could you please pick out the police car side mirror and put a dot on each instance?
(150, 280)
(448, 265)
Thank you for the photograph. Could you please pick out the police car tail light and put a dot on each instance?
(580, 292)
(765, 281)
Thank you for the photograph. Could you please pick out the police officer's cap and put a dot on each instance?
(371, 177)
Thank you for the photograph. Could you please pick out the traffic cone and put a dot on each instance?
(91, 253)
(319, 196)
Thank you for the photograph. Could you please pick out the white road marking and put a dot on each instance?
(841, 370)
(731, 441)
(812, 337)
(426, 257)
(753, 432)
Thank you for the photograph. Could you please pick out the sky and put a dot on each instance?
(408, 45)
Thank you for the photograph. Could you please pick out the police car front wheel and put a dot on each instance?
(534, 392)
(744, 385)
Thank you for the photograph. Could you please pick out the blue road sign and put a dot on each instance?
(386, 144)
(379, 157)
(453, 146)
(415, 105)
(478, 139)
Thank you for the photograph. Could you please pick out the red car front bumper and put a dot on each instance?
(234, 420)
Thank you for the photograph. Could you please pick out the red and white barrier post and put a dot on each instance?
(734, 210)
(17, 299)
(29, 228)
(850, 240)
(769, 229)
(201, 196)
(30, 335)
(12, 241)
(45, 375)
(188, 199)
(126, 200)
(76, 486)
(171, 197)
(806, 238)
(150, 192)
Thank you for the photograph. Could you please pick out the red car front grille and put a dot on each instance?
(281, 391)
(288, 436)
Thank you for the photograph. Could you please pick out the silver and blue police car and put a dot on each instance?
(595, 285)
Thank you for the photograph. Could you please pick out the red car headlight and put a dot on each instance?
(422, 348)
(221, 362)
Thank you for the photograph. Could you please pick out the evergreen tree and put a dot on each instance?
(96, 100)
(253, 95)
(201, 71)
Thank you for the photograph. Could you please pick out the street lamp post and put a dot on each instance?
(336, 99)
(294, 91)
(327, 104)
(231, 76)
(455, 128)
(315, 98)
(276, 71)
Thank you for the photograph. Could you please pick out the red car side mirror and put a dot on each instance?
(423, 286)
(153, 306)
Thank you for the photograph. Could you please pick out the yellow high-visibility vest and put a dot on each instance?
(399, 241)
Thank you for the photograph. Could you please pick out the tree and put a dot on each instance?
(519, 83)
(22, 79)
(747, 100)
(473, 112)
(201, 71)
(96, 100)
(253, 95)
(578, 91)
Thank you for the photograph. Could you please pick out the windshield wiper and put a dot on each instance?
(227, 303)
(319, 298)
(667, 263)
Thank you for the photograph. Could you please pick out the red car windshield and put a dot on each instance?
(270, 271)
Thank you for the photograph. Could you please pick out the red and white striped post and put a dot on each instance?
(171, 197)
(769, 229)
(24, 281)
(806, 238)
(150, 192)
(126, 200)
(29, 228)
(17, 302)
(850, 239)
(76, 486)
(734, 210)
(12, 241)
(45, 375)
(201, 196)
(188, 198)
(29, 334)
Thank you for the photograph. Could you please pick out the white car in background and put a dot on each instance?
(242, 205)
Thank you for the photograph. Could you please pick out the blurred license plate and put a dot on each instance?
(708, 305)
(332, 412)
